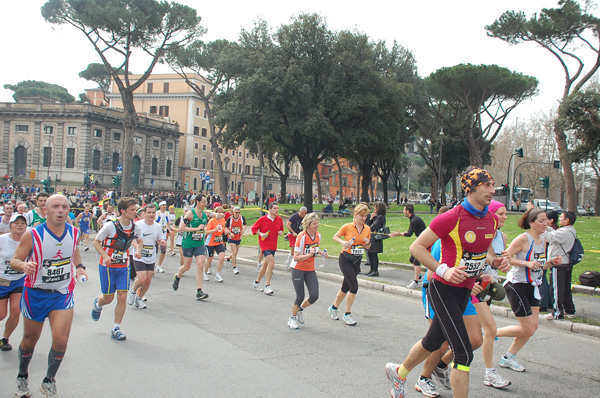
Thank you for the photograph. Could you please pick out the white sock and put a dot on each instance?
(117, 326)
(489, 370)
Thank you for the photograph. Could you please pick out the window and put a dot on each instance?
(97, 132)
(170, 146)
(196, 145)
(150, 87)
(163, 110)
(116, 136)
(165, 87)
(155, 143)
(73, 131)
(233, 168)
(205, 113)
(168, 168)
(70, 158)
(48, 130)
(204, 147)
(115, 162)
(138, 140)
(247, 169)
(204, 163)
(196, 130)
(153, 110)
(203, 132)
(247, 155)
(252, 157)
(239, 169)
(212, 163)
(233, 152)
(96, 159)
(197, 111)
(46, 162)
(195, 163)
(154, 166)
(226, 151)
(22, 128)
(239, 154)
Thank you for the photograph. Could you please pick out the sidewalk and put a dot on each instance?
(394, 277)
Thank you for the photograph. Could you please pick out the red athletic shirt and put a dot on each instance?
(265, 224)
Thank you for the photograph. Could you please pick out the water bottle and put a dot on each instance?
(323, 258)
(82, 278)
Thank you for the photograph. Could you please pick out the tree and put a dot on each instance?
(115, 28)
(99, 74)
(569, 33)
(480, 97)
(34, 88)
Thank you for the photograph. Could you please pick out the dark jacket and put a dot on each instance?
(375, 223)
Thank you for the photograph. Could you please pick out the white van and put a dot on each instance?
(543, 204)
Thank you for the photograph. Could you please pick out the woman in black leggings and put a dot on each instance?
(375, 222)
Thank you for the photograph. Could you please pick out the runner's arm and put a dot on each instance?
(18, 262)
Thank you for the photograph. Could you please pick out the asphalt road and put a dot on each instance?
(237, 344)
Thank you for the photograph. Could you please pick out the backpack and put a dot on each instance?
(590, 278)
(576, 252)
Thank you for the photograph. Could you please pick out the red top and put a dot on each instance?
(465, 241)
(265, 224)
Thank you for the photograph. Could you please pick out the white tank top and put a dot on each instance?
(54, 257)
(498, 243)
(7, 252)
(535, 252)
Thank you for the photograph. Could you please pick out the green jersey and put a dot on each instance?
(195, 239)
(35, 218)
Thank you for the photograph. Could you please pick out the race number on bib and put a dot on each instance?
(8, 270)
(218, 239)
(197, 236)
(475, 263)
(56, 270)
(236, 230)
(308, 247)
(147, 251)
(358, 250)
(119, 257)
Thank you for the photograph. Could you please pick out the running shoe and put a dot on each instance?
(22, 389)
(139, 303)
(86, 249)
(48, 388)
(443, 377)
(511, 363)
(205, 276)
(160, 269)
(399, 388)
(209, 271)
(551, 317)
(176, 280)
(227, 263)
(493, 379)
(4, 345)
(172, 253)
(288, 262)
(300, 317)
(426, 387)
(236, 271)
(333, 313)
(219, 278)
(292, 322)
(117, 334)
(414, 285)
(257, 287)
(348, 319)
(200, 295)
(95, 311)
(268, 290)
(130, 296)
(570, 316)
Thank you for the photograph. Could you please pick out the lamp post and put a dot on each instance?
(440, 165)
(519, 153)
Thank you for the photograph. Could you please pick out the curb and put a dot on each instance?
(497, 310)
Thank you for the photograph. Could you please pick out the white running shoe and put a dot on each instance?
(493, 379)
(333, 313)
(205, 277)
(443, 377)
(348, 319)
(22, 389)
(236, 271)
(218, 278)
(227, 263)
(288, 262)
(160, 269)
(257, 287)
(209, 272)
(414, 285)
(172, 253)
(130, 296)
(511, 363)
(399, 385)
(139, 303)
(48, 388)
(268, 290)
(426, 387)
(292, 322)
(300, 317)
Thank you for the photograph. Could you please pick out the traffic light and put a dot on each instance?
(557, 164)
(505, 189)
(117, 180)
(519, 152)
(545, 181)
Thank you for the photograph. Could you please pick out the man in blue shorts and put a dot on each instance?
(84, 219)
(53, 266)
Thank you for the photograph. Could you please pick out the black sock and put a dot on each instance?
(442, 365)
(25, 376)
(46, 380)
(198, 290)
(334, 307)
(423, 378)
(347, 313)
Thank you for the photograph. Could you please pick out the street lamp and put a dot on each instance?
(519, 153)
(440, 166)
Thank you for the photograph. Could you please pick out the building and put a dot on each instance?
(96, 97)
(168, 96)
(41, 139)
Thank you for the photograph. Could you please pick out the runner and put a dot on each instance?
(7, 213)
(112, 244)
(416, 226)
(236, 224)
(11, 281)
(192, 244)
(466, 234)
(527, 253)
(162, 218)
(37, 216)
(172, 218)
(215, 230)
(268, 227)
(108, 215)
(84, 220)
(303, 268)
(354, 237)
(53, 267)
(179, 238)
(294, 226)
(152, 236)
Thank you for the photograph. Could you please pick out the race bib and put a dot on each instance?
(56, 270)
(540, 258)
(218, 239)
(308, 247)
(9, 271)
(236, 230)
(119, 257)
(475, 263)
(197, 236)
(147, 251)
(358, 250)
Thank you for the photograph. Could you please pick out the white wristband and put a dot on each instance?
(441, 270)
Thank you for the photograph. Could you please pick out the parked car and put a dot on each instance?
(543, 204)
(591, 211)
(581, 211)
(557, 207)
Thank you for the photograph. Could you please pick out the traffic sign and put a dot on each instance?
(207, 178)
(119, 168)
(202, 175)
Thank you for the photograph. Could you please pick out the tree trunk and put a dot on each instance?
(567, 166)
(337, 162)
(129, 125)
(366, 182)
(283, 179)
(308, 171)
(319, 194)
(384, 182)
(220, 180)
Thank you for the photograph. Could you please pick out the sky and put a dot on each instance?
(439, 33)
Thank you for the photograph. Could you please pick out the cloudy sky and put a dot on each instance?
(439, 33)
